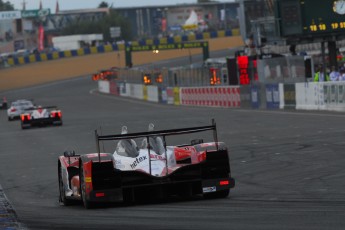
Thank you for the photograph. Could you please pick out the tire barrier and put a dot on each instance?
(328, 96)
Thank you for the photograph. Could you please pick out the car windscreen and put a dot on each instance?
(26, 104)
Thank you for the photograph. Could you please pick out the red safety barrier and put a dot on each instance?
(113, 88)
(211, 96)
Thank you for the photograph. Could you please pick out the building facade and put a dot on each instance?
(26, 29)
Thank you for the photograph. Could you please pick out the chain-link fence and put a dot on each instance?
(289, 69)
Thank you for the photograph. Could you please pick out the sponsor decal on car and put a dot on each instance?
(209, 189)
(119, 164)
(137, 161)
(157, 157)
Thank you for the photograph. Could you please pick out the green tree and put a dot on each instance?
(6, 6)
(103, 5)
(113, 19)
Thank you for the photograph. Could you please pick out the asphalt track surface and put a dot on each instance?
(288, 165)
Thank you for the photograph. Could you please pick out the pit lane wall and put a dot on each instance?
(327, 96)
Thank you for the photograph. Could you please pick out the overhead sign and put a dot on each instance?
(323, 16)
(35, 13)
(10, 15)
(311, 17)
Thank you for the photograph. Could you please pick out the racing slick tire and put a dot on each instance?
(62, 196)
(216, 195)
(87, 204)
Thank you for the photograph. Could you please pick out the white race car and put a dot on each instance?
(17, 108)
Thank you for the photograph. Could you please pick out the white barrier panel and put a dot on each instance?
(136, 91)
(226, 96)
(281, 96)
(320, 96)
(103, 86)
(152, 93)
(334, 96)
(309, 96)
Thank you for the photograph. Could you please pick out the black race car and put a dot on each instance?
(131, 172)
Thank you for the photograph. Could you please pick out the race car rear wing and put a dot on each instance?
(162, 133)
(42, 107)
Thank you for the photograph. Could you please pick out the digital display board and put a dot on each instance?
(323, 16)
(311, 17)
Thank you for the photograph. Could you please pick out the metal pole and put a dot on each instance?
(224, 17)
(190, 57)
(148, 148)
(323, 59)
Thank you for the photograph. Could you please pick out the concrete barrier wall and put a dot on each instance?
(309, 96)
(104, 86)
(136, 91)
(326, 96)
(152, 93)
(320, 96)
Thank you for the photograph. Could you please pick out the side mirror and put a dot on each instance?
(69, 153)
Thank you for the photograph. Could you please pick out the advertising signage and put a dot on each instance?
(185, 45)
(35, 13)
(9, 15)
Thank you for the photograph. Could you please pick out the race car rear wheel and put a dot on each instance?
(87, 204)
(62, 197)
